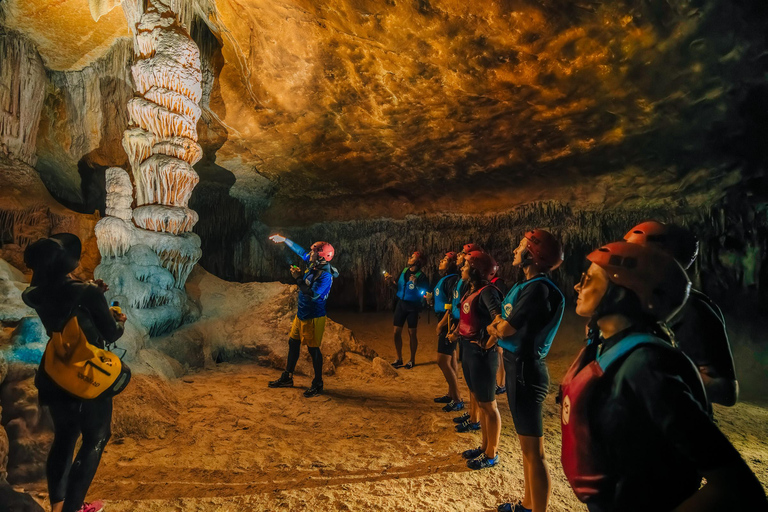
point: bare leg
(444, 362)
(474, 410)
(57, 507)
(455, 361)
(501, 375)
(538, 474)
(414, 344)
(399, 343)
(491, 425)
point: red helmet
(468, 248)
(483, 263)
(324, 250)
(677, 241)
(544, 248)
(656, 278)
(451, 256)
(419, 257)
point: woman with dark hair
(480, 306)
(57, 297)
(637, 433)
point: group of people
(636, 417)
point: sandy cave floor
(367, 444)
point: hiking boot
(467, 426)
(398, 363)
(409, 365)
(313, 391)
(93, 506)
(482, 462)
(285, 381)
(461, 419)
(500, 390)
(445, 399)
(453, 406)
(509, 507)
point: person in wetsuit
(309, 323)
(699, 327)
(412, 285)
(441, 302)
(56, 297)
(480, 306)
(637, 434)
(470, 420)
(531, 315)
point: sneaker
(500, 390)
(285, 381)
(482, 462)
(454, 406)
(409, 365)
(467, 426)
(472, 454)
(461, 419)
(443, 399)
(313, 391)
(397, 364)
(93, 506)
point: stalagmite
(148, 263)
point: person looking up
(411, 286)
(637, 433)
(470, 420)
(699, 327)
(441, 302)
(531, 314)
(309, 323)
(480, 306)
(57, 297)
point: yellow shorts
(309, 331)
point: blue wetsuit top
(443, 294)
(412, 291)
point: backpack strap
(625, 346)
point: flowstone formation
(148, 252)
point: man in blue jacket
(412, 285)
(309, 323)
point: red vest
(469, 319)
(586, 470)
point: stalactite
(167, 180)
(161, 121)
(22, 86)
(167, 219)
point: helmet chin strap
(526, 259)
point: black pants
(294, 349)
(527, 381)
(69, 481)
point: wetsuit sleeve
(320, 288)
(532, 300)
(491, 299)
(94, 301)
(659, 380)
(299, 250)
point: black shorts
(444, 345)
(407, 311)
(527, 383)
(480, 367)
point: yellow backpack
(82, 369)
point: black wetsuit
(69, 481)
(444, 345)
(651, 421)
(480, 365)
(700, 333)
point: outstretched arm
(299, 250)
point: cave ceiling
(355, 108)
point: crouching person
(309, 324)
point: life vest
(409, 291)
(543, 340)
(441, 298)
(469, 322)
(586, 470)
(458, 293)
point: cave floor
(367, 444)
